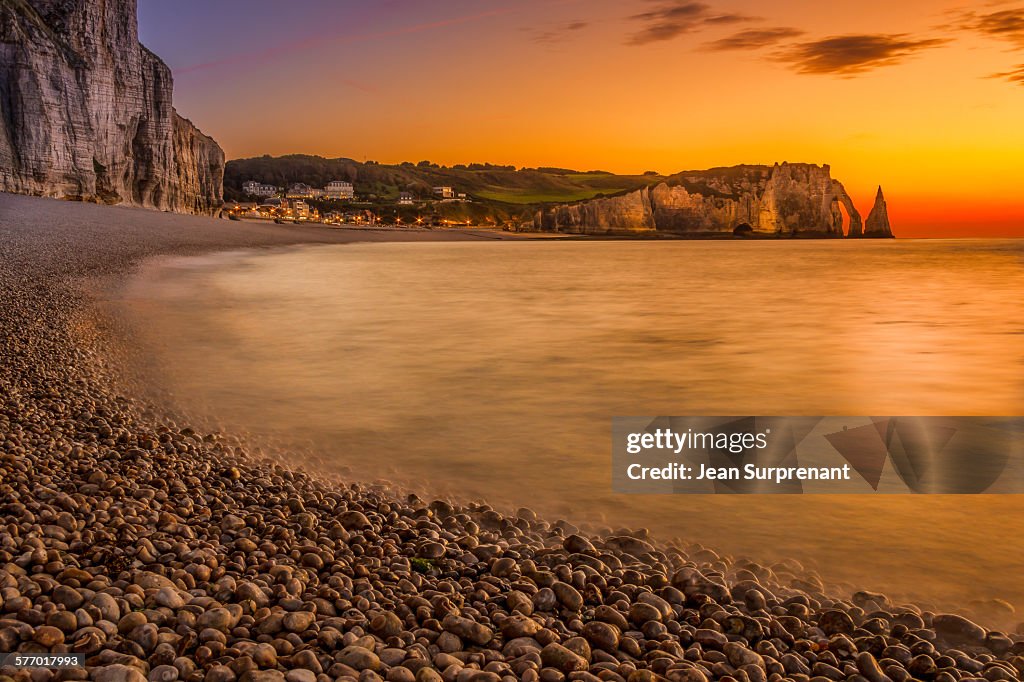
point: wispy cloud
(1015, 75)
(1005, 24)
(849, 55)
(553, 35)
(841, 55)
(728, 19)
(754, 39)
(674, 19)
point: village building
(300, 190)
(254, 188)
(340, 189)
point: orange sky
(902, 94)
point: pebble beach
(162, 552)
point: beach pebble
(836, 622)
(359, 658)
(562, 659)
(298, 621)
(118, 672)
(169, 597)
(958, 630)
(602, 635)
(467, 629)
(163, 673)
(869, 668)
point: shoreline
(171, 554)
(213, 382)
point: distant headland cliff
(784, 200)
(86, 112)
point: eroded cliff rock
(788, 199)
(877, 224)
(86, 112)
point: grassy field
(527, 196)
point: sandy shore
(165, 553)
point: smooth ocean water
(491, 371)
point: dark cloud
(853, 54)
(553, 35)
(1007, 24)
(754, 39)
(1015, 75)
(844, 55)
(674, 19)
(728, 19)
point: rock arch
(840, 197)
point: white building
(300, 209)
(444, 192)
(339, 189)
(300, 190)
(254, 188)
(405, 198)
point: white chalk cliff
(86, 112)
(784, 200)
(877, 224)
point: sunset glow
(922, 97)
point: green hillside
(507, 189)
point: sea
(491, 370)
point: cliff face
(877, 224)
(86, 112)
(789, 199)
